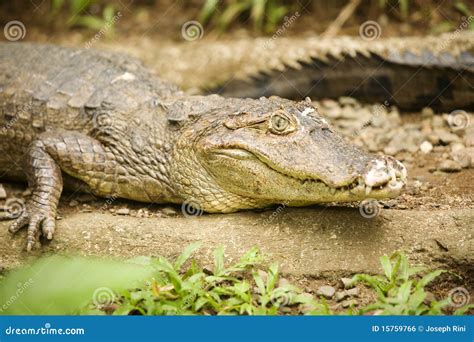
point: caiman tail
(410, 73)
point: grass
(239, 289)
(265, 15)
(244, 288)
(158, 286)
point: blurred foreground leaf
(61, 285)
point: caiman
(100, 122)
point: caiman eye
(280, 124)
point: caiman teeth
(368, 189)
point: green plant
(264, 14)
(78, 11)
(236, 289)
(401, 291)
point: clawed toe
(37, 222)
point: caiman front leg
(48, 155)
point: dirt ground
(432, 221)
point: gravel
(381, 128)
(123, 211)
(449, 166)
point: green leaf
(184, 256)
(429, 278)
(416, 299)
(209, 8)
(108, 13)
(231, 12)
(404, 7)
(78, 6)
(259, 282)
(272, 276)
(59, 285)
(90, 22)
(386, 266)
(219, 260)
(257, 13)
(462, 7)
(463, 310)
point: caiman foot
(40, 219)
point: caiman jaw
(384, 176)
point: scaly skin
(409, 72)
(99, 122)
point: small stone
(391, 150)
(438, 122)
(417, 184)
(354, 292)
(386, 204)
(447, 137)
(469, 139)
(123, 211)
(73, 203)
(3, 193)
(433, 138)
(169, 211)
(349, 303)
(26, 193)
(449, 166)
(328, 103)
(326, 291)
(345, 100)
(426, 147)
(341, 295)
(463, 157)
(427, 112)
(457, 147)
(347, 283)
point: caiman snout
(384, 172)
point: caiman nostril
(378, 174)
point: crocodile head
(253, 153)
